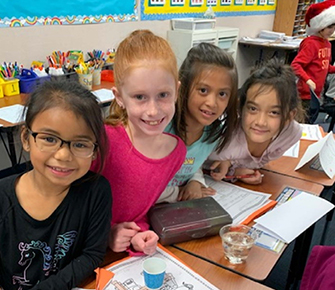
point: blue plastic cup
(154, 272)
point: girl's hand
(311, 84)
(219, 169)
(255, 178)
(145, 242)
(121, 235)
(194, 190)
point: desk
(285, 165)
(289, 50)
(218, 276)
(260, 261)
(9, 128)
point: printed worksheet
(311, 132)
(128, 275)
(237, 201)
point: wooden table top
(219, 277)
(260, 261)
(285, 165)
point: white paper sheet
(311, 132)
(293, 151)
(12, 114)
(327, 156)
(326, 150)
(104, 95)
(289, 220)
(237, 201)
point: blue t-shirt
(196, 155)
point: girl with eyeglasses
(55, 218)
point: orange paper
(103, 277)
(259, 212)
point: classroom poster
(167, 9)
(20, 13)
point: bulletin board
(59, 12)
(167, 9)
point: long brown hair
(200, 58)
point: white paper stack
(289, 220)
(267, 34)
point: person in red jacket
(312, 63)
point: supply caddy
(29, 80)
(10, 87)
(70, 76)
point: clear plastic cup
(237, 241)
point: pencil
(208, 172)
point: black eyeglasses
(50, 143)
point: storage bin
(1, 90)
(187, 220)
(71, 76)
(192, 23)
(10, 87)
(30, 80)
(226, 43)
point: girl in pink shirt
(142, 158)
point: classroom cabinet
(290, 17)
(182, 41)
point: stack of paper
(104, 95)
(289, 220)
(271, 35)
(12, 114)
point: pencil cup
(154, 272)
(97, 77)
(86, 80)
(237, 241)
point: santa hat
(319, 16)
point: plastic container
(86, 80)
(70, 76)
(10, 87)
(107, 75)
(29, 81)
(186, 220)
(226, 43)
(1, 90)
(192, 23)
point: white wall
(25, 44)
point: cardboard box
(186, 220)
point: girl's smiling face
(261, 115)
(148, 94)
(209, 97)
(59, 168)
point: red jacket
(312, 62)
